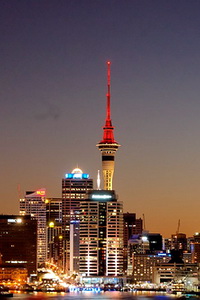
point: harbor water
(96, 296)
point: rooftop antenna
(178, 227)
(98, 180)
(144, 225)
(19, 191)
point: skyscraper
(54, 230)
(74, 187)
(195, 248)
(33, 204)
(18, 242)
(101, 234)
(179, 241)
(53, 210)
(108, 146)
(131, 226)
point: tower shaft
(108, 146)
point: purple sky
(53, 84)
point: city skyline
(53, 97)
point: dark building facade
(54, 230)
(194, 247)
(132, 226)
(179, 241)
(18, 242)
(155, 242)
(53, 210)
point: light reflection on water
(90, 296)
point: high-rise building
(54, 230)
(155, 242)
(179, 241)
(131, 226)
(34, 205)
(196, 237)
(53, 210)
(74, 187)
(195, 248)
(101, 234)
(18, 242)
(108, 146)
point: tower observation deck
(108, 146)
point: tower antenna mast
(108, 93)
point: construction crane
(19, 191)
(178, 227)
(176, 241)
(144, 226)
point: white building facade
(101, 234)
(34, 205)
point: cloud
(48, 111)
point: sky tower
(108, 146)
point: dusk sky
(53, 57)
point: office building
(132, 226)
(179, 241)
(195, 251)
(167, 244)
(143, 265)
(188, 258)
(155, 242)
(181, 275)
(34, 205)
(54, 230)
(196, 237)
(74, 187)
(101, 235)
(194, 245)
(18, 244)
(53, 210)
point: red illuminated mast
(108, 94)
(108, 134)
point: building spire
(108, 129)
(108, 94)
(98, 180)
